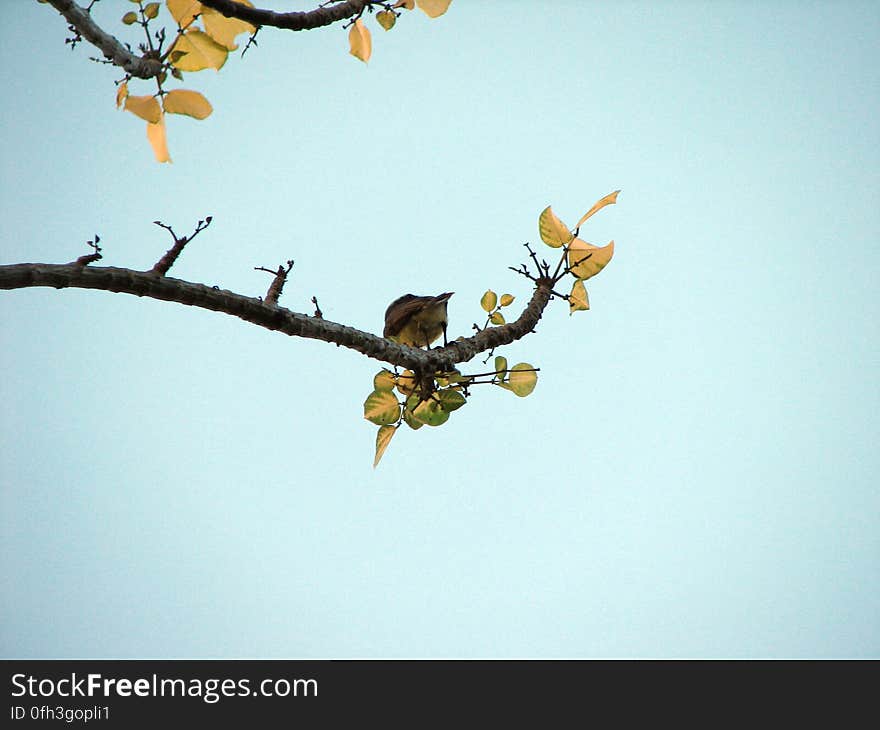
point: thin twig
(162, 266)
(88, 258)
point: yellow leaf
(191, 103)
(489, 300)
(151, 10)
(183, 11)
(553, 231)
(523, 379)
(500, 366)
(360, 43)
(145, 107)
(382, 408)
(578, 299)
(224, 30)
(582, 266)
(130, 18)
(433, 8)
(384, 380)
(121, 93)
(158, 140)
(496, 318)
(507, 299)
(383, 438)
(406, 382)
(199, 51)
(609, 199)
(386, 19)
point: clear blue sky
(696, 474)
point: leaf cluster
(492, 304)
(417, 401)
(203, 39)
(360, 40)
(580, 259)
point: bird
(417, 321)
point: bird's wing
(401, 311)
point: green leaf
(448, 378)
(489, 300)
(430, 413)
(500, 367)
(410, 420)
(386, 19)
(151, 10)
(523, 379)
(381, 408)
(383, 438)
(451, 400)
(496, 318)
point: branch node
(277, 285)
(88, 258)
(161, 267)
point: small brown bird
(417, 321)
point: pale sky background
(696, 474)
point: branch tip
(162, 266)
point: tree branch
(307, 20)
(81, 21)
(273, 317)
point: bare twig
(89, 258)
(252, 41)
(277, 285)
(167, 261)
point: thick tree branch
(307, 20)
(82, 23)
(273, 317)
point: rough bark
(273, 317)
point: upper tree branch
(82, 22)
(307, 20)
(273, 317)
